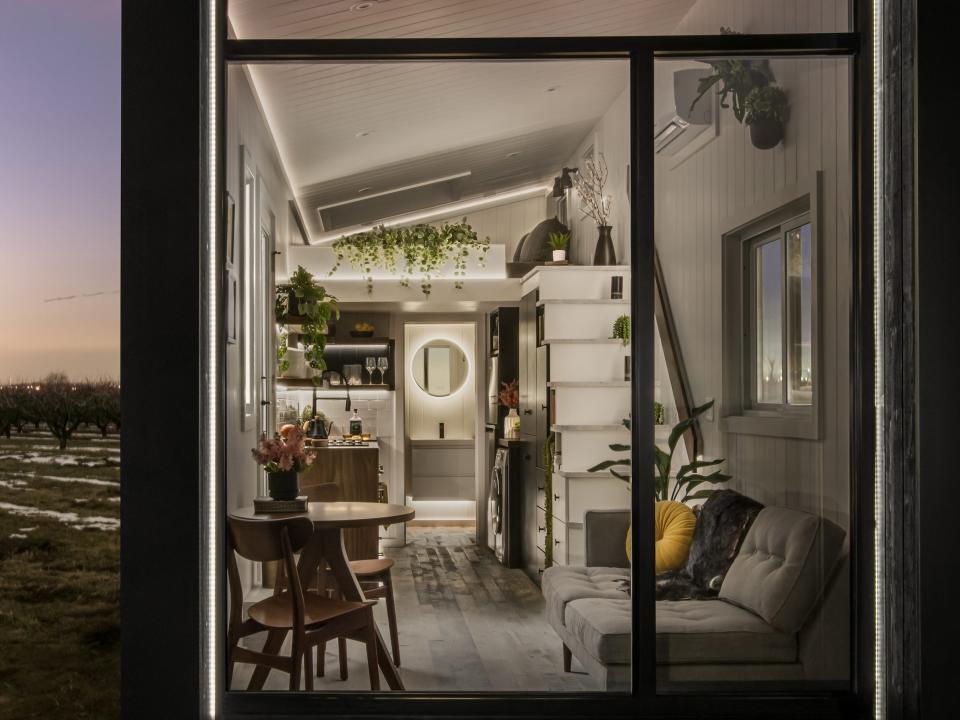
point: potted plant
(283, 456)
(558, 242)
(305, 301)
(621, 329)
(510, 399)
(766, 112)
(403, 251)
(590, 184)
(659, 414)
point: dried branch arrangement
(589, 184)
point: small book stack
(266, 504)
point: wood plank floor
(466, 623)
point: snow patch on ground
(63, 460)
(80, 522)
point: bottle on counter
(356, 423)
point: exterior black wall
(160, 362)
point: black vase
(604, 254)
(765, 133)
(283, 485)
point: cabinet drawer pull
(539, 488)
(528, 411)
(556, 542)
(556, 497)
(543, 406)
(541, 529)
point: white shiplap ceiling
(340, 128)
(453, 18)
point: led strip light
(878, 490)
(211, 369)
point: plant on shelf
(283, 362)
(416, 250)
(687, 480)
(558, 243)
(659, 414)
(305, 301)
(736, 78)
(621, 329)
(766, 112)
(590, 184)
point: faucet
(343, 381)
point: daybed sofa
(751, 630)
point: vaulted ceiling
(350, 130)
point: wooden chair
(375, 580)
(312, 618)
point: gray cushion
(713, 631)
(605, 537)
(602, 627)
(782, 566)
(562, 585)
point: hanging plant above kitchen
(418, 250)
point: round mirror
(440, 368)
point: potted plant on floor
(558, 243)
(766, 112)
(590, 184)
(283, 456)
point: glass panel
(799, 316)
(752, 229)
(768, 302)
(532, 18)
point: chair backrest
(783, 565)
(261, 540)
(323, 492)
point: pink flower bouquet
(282, 454)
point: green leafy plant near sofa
(416, 250)
(688, 478)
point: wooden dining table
(326, 544)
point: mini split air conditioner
(675, 130)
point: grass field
(59, 577)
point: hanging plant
(766, 112)
(416, 250)
(735, 78)
(305, 301)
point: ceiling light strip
(436, 213)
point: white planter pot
(559, 255)
(511, 424)
(298, 366)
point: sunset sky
(59, 188)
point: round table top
(341, 514)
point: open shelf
(589, 384)
(308, 384)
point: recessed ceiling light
(363, 5)
(364, 190)
(363, 133)
(515, 153)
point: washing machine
(495, 505)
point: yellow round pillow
(674, 524)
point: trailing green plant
(736, 78)
(421, 250)
(548, 448)
(621, 329)
(314, 309)
(766, 103)
(283, 362)
(558, 241)
(659, 414)
(688, 478)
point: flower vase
(283, 485)
(604, 254)
(511, 424)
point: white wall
(505, 224)
(611, 137)
(245, 127)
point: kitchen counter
(442, 442)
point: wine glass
(383, 363)
(370, 363)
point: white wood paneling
(504, 224)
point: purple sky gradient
(59, 187)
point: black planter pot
(766, 133)
(283, 485)
(604, 254)
(293, 304)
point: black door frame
(153, 78)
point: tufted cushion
(713, 631)
(674, 524)
(602, 627)
(562, 585)
(782, 566)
